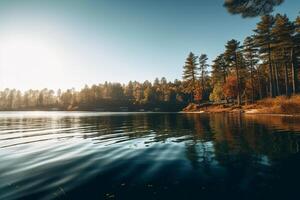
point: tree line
(265, 64)
(160, 95)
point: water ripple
(63, 155)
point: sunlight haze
(66, 44)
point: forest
(265, 64)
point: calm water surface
(82, 155)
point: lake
(88, 155)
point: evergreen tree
(219, 69)
(251, 8)
(283, 32)
(190, 74)
(296, 51)
(203, 72)
(264, 41)
(251, 58)
(297, 34)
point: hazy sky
(60, 43)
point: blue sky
(64, 44)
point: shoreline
(241, 112)
(276, 107)
(245, 112)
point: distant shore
(279, 106)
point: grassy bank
(278, 105)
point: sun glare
(29, 60)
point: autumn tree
(217, 93)
(231, 55)
(198, 94)
(229, 88)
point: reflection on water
(61, 155)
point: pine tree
(296, 58)
(251, 57)
(203, 72)
(251, 8)
(190, 74)
(264, 41)
(283, 32)
(297, 34)
(219, 69)
(231, 55)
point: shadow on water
(148, 156)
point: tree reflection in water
(151, 156)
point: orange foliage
(230, 87)
(198, 93)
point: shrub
(282, 104)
